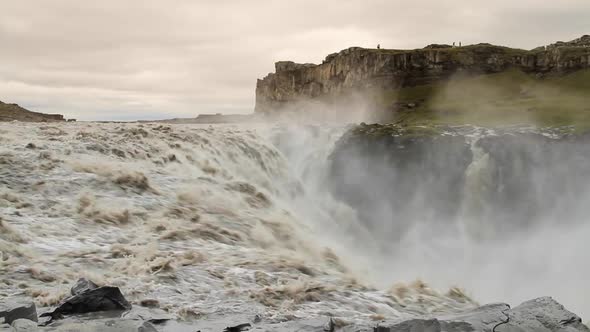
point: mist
(498, 210)
(501, 214)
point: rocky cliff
(449, 173)
(360, 69)
(12, 112)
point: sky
(148, 59)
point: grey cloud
(134, 59)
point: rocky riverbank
(92, 308)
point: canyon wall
(359, 69)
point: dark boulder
(542, 314)
(104, 325)
(82, 285)
(87, 297)
(414, 325)
(13, 309)
(238, 328)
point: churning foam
(218, 220)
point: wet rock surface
(88, 297)
(82, 285)
(542, 314)
(100, 325)
(12, 309)
(238, 328)
(538, 315)
(24, 325)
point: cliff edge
(383, 72)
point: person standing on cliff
(378, 46)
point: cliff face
(410, 173)
(360, 69)
(12, 112)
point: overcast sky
(132, 59)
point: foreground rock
(24, 325)
(13, 309)
(88, 297)
(104, 325)
(539, 315)
(94, 308)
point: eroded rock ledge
(538, 315)
(94, 308)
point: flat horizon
(133, 60)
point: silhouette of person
(378, 46)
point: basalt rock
(13, 309)
(82, 285)
(24, 325)
(438, 174)
(103, 325)
(238, 328)
(539, 315)
(87, 297)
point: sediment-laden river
(285, 223)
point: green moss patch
(511, 97)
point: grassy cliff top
(511, 97)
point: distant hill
(13, 112)
(213, 118)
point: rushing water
(223, 220)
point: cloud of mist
(502, 217)
(352, 106)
